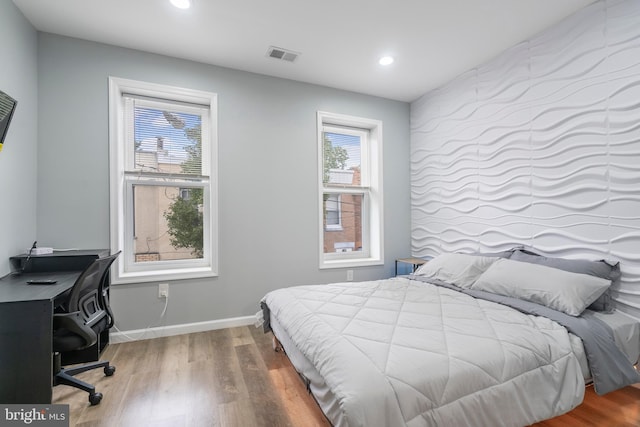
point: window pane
(168, 223)
(341, 161)
(343, 222)
(166, 140)
(332, 210)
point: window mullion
(168, 177)
(349, 190)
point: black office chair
(78, 323)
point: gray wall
(541, 147)
(18, 161)
(267, 175)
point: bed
(466, 340)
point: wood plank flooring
(233, 378)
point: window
(332, 212)
(185, 193)
(350, 194)
(163, 181)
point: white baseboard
(187, 328)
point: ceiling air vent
(282, 54)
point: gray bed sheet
(626, 335)
(626, 332)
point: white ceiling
(340, 41)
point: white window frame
(370, 188)
(126, 270)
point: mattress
(481, 370)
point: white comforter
(404, 353)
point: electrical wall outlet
(349, 275)
(163, 290)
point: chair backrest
(88, 292)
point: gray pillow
(458, 269)
(502, 254)
(601, 268)
(560, 290)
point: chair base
(65, 376)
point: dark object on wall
(7, 107)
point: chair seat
(65, 340)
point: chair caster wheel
(95, 398)
(109, 370)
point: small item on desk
(41, 281)
(40, 251)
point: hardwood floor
(227, 378)
(233, 378)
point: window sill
(352, 262)
(162, 275)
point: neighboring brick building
(343, 214)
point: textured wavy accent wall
(540, 147)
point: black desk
(26, 325)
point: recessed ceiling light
(181, 4)
(386, 60)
